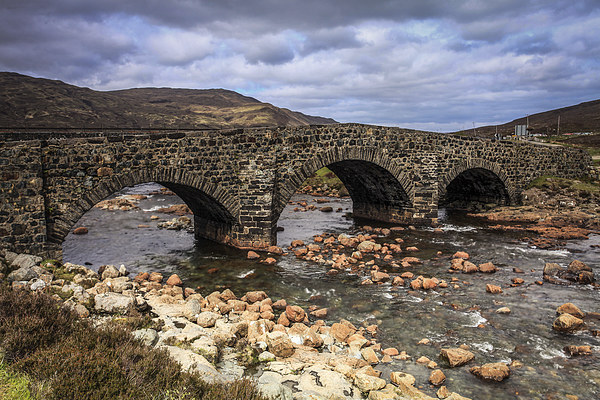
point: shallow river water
(448, 317)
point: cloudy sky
(426, 64)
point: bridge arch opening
(475, 189)
(376, 193)
(212, 211)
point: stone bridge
(237, 182)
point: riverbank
(219, 337)
(554, 210)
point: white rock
(113, 302)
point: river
(448, 317)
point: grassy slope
(34, 102)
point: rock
(270, 261)
(429, 283)
(147, 336)
(552, 269)
(174, 280)
(257, 296)
(341, 332)
(37, 284)
(295, 314)
(442, 392)
(22, 274)
(487, 268)
(367, 383)
(113, 302)
(120, 284)
(468, 267)
(109, 271)
(586, 277)
(576, 267)
(207, 319)
(461, 254)
(377, 276)
(567, 323)
(319, 313)
(266, 356)
(517, 281)
(82, 230)
(155, 277)
(367, 246)
(81, 311)
(280, 344)
(206, 347)
(503, 310)
(397, 281)
(297, 243)
(437, 377)
(491, 372)
(193, 362)
(23, 261)
(456, 356)
(369, 355)
(326, 209)
(317, 382)
(570, 308)
(493, 289)
(252, 255)
(578, 350)
(399, 378)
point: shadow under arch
(379, 189)
(479, 181)
(215, 209)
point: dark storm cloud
(435, 64)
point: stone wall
(238, 182)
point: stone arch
(479, 171)
(356, 167)
(208, 201)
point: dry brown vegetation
(64, 357)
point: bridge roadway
(237, 182)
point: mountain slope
(583, 117)
(27, 102)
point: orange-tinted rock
(487, 268)
(437, 377)
(82, 230)
(570, 308)
(319, 313)
(456, 356)
(567, 323)
(461, 254)
(492, 371)
(493, 289)
(341, 332)
(252, 255)
(270, 261)
(295, 313)
(253, 297)
(174, 280)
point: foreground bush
(66, 358)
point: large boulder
(567, 323)
(25, 261)
(113, 302)
(570, 308)
(22, 274)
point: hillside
(584, 117)
(27, 102)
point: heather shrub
(67, 358)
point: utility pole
(558, 126)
